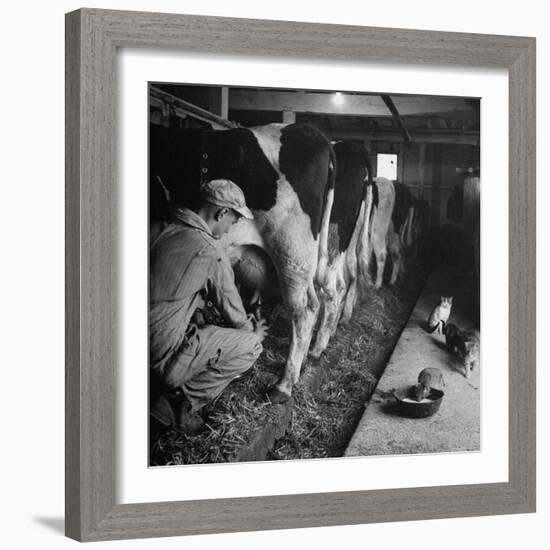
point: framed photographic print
(289, 301)
(433, 205)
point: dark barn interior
(432, 142)
(429, 147)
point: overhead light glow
(338, 98)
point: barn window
(386, 166)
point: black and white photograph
(270, 305)
(314, 274)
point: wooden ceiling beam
(397, 117)
(346, 104)
(396, 136)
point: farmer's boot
(189, 421)
(173, 409)
(162, 410)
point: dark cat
(465, 343)
(452, 337)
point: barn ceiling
(348, 115)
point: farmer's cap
(227, 194)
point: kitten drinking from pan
(430, 377)
(440, 314)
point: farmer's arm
(223, 292)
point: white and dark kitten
(440, 314)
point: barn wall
(444, 165)
(431, 170)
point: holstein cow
(380, 225)
(395, 251)
(403, 212)
(418, 228)
(472, 224)
(403, 228)
(471, 209)
(352, 202)
(287, 175)
(410, 221)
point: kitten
(440, 314)
(469, 351)
(430, 377)
(465, 343)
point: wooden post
(435, 157)
(421, 170)
(224, 107)
(401, 166)
(368, 147)
(289, 117)
(165, 115)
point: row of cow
(320, 216)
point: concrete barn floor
(456, 426)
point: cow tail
(322, 261)
(405, 234)
(401, 229)
(165, 192)
(363, 213)
(370, 191)
(331, 181)
(370, 175)
(375, 201)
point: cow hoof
(315, 353)
(276, 396)
(344, 320)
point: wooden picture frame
(92, 39)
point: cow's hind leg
(303, 305)
(394, 249)
(352, 274)
(380, 253)
(349, 301)
(364, 249)
(332, 295)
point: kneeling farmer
(191, 361)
